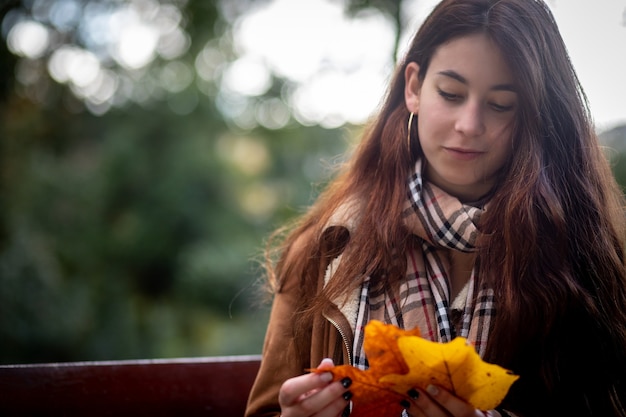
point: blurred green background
(136, 192)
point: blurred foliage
(125, 235)
(135, 229)
(138, 232)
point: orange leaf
(372, 398)
(400, 360)
(454, 366)
(381, 347)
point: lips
(463, 154)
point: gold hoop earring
(408, 132)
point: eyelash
(455, 97)
(500, 108)
(448, 96)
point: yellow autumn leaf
(400, 360)
(456, 367)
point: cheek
(501, 149)
(430, 121)
(501, 133)
(425, 137)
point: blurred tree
(391, 8)
(132, 216)
(614, 140)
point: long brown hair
(552, 238)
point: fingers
(322, 400)
(314, 394)
(298, 388)
(436, 402)
(295, 389)
(326, 364)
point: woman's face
(466, 108)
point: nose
(470, 119)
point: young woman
(478, 204)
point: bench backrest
(213, 386)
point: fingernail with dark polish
(346, 382)
(405, 403)
(347, 395)
(413, 393)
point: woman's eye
(500, 108)
(448, 96)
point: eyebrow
(456, 76)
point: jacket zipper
(343, 337)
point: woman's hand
(314, 394)
(437, 402)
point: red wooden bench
(211, 386)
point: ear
(412, 87)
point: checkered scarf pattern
(442, 223)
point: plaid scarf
(442, 223)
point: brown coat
(331, 337)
